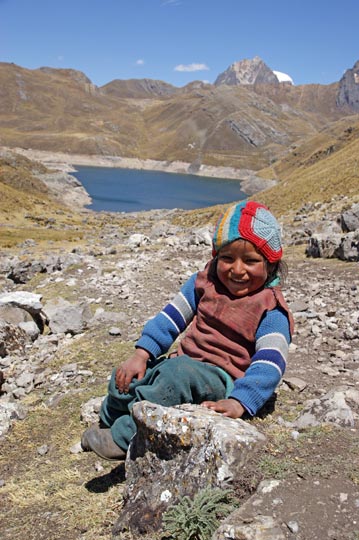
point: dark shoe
(101, 442)
(84, 442)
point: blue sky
(178, 41)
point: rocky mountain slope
(247, 119)
(349, 89)
(253, 71)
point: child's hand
(228, 407)
(135, 366)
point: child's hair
(278, 269)
(249, 220)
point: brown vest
(223, 330)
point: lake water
(128, 190)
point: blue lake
(128, 190)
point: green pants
(168, 382)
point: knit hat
(251, 221)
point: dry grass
(329, 177)
(60, 483)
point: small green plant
(197, 519)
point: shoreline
(250, 182)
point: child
(233, 354)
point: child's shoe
(100, 441)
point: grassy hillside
(27, 209)
(322, 168)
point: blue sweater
(267, 364)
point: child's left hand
(228, 407)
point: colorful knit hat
(251, 221)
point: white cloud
(60, 58)
(191, 67)
(140, 62)
(171, 3)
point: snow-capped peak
(283, 77)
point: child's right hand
(135, 366)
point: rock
(349, 220)
(348, 249)
(239, 527)
(9, 412)
(202, 236)
(76, 448)
(90, 410)
(253, 71)
(337, 406)
(25, 379)
(137, 240)
(114, 331)
(65, 317)
(12, 339)
(295, 383)
(43, 450)
(29, 301)
(298, 306)
(31, 329)
(177, 451)
(348, 93)
(14, 315)
(293, 526)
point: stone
(137, 240)
(349, 220)
(178, 451)
(9, 412)
(14, 315)
(31, 302)
(65, 317)
(295, 383)
(239, 527)
(336, 406)
(114, 331)
(90, 410)
(43, 450)
(31, 329)
(12, 339)
(348, 94)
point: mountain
(138, 88)
(253, 71)
(348, 95)
(249, 124)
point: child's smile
(241, 268)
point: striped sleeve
(267, 364)
(160, 332)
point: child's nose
(238, 267)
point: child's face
(241, 268)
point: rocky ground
(123, 272)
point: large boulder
(178, 451)
(343, 246)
